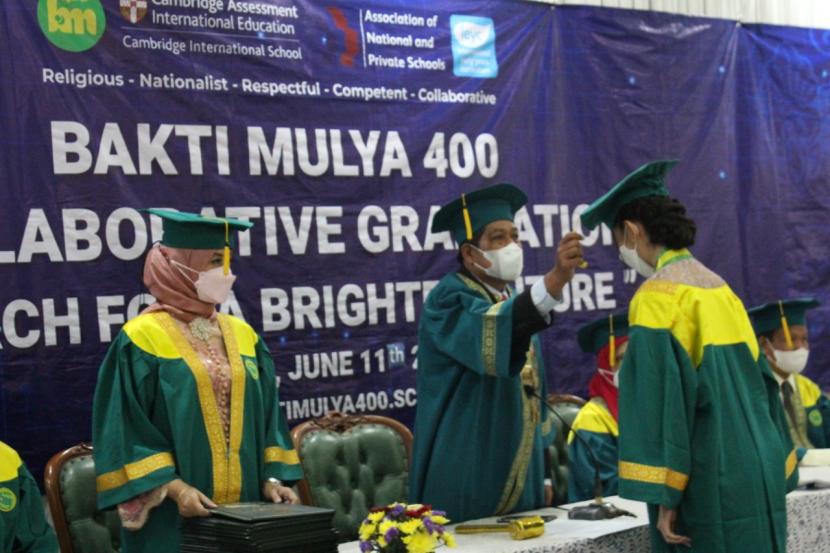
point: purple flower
(365, 546)
(439, 513)
(430, 526)
(397, 510)
(391, 534)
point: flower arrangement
(399, 528)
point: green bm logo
(72, 25)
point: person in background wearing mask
(186, 413)
(596, 423)
(481, 428)
(23, 526)
(782, 332)
(695, 445)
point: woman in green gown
(702, 436)
(186, 413)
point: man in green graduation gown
(480, 427)
(23, 527)
(597, 446)
(782, 330)
(703, 440)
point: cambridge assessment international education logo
(473, 46)
(72, 25)
(133, 10)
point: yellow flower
(375, 517)
(411, 526)
(366, 531)
(438, 519)
(420, 542)
(449, 539)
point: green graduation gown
(811, 429)
(155, 419)
(597, 428)
(23, 527)
(702, 428)
(479, 434)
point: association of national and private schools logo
(253, 370)
(8, 500)
(133, 10)
(815, 418)
(72, 25)
(473, 46)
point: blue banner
(338, 128)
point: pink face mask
(212, 286)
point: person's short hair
(768, 335)
(664, 219)
(476, 240)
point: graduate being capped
(702, 440)
(784, 337)
(480, 429)
(596, 422)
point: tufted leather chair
(351, 464)
(567, 406)
(70, 491)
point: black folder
(261, 528)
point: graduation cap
(781, 314)
(597, 334)
(198, 232)
(470, 213)
(648, 180)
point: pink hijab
(175, 292)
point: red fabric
(174, 292)
(599, 386)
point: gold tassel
(787, 336)
(468, 225)
(226, 258)
(612, 344)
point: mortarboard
(781, 314)
(198, 232)
(470, 213)
(648, 180)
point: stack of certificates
(261, 528)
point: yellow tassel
(226, 257)
(612, 344)
(468, 225)
(787, 336)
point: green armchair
(567, 406)
(351, 464)
(70, 492)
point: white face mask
(630, 257)
(791, 362)
(505, 263)
(212, 286)
(611, 376)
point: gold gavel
(519, 529)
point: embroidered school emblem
(8, 500)
(252, 369)
(815, 418)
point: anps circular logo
(253, 370)
(815, 418)
(72, 25)
(8, 500)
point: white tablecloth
(808, 515)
